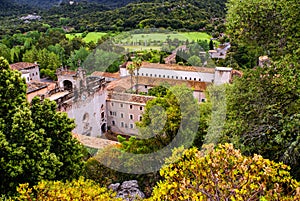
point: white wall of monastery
(89, 115)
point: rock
(114, 187)
(129, 190)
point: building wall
(222, 75)
(199, 95)
(40, 92)
(176, 74)
(26, 76)
(34, 73)
(122, 115)
(89, 114)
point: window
(150, 75)
(164, 76)
(203, 100)
(130, 106)
(122, 124)
(140, 118)
(172, 76)
(146, 86)
(112, 104)
(121, 105)
(36, 73)
(114, 113)
(195, 79)
(154, 75)
(199, 79)
(131, 116)
(146, 74)
(113, 123)
(131, 125)
(121, 115)
(158, 75)
(141, 108)
(176, 77)
(142, 74)
(190, 78)
(168, 76)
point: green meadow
(130, 42)
(91, 36)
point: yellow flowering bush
(224, 173)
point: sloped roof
(124, 83)
(22, 65)
(106, 74)
(175, 67)
(35, 86)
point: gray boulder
(129, 190)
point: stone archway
(68, 85)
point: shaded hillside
(51, 3)
(82, 16)
(10, 8)
(184, 14)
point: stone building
(176, 72)
(101, 101)
(30, 71)
(87, 102)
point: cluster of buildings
(101, 102)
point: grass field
(164, 36)
(91, 36)
(161, 37)
(73, 35)
(141, 48)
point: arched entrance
(103, 128)
(68, 85)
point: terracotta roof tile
(22, 65)
(175, 67)
(123, 84)
(106, 74)
(35, 86)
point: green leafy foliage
(263, 112)
(35, 141)
(268, 27)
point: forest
(246, 145)
(90, 16)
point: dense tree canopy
(35, 141)
(269, 27)
(263, 112)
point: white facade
(90, 115)
(218, 75)
(222, 75)
(177, 74)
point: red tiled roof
(22, 65)
(123, 84)
(175, 67)
(35, 86)
(68, 72)
(106, 74)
